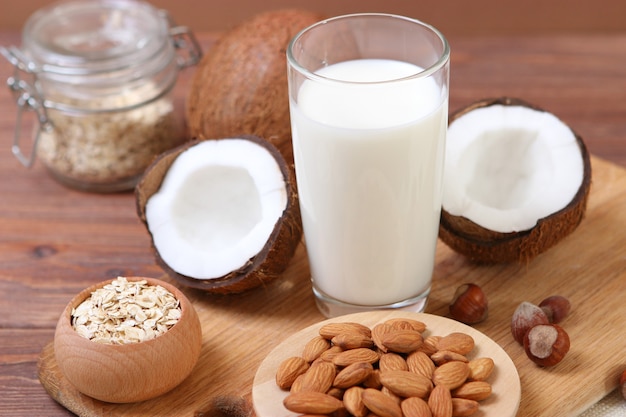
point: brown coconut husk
(274, 257)
(240, 85)
(486, 246)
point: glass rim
(444, 56)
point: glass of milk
(369, 112)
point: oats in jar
(111, 140)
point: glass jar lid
(83, 37)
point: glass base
(331, 307)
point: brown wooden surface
(459, 17)
(55, 241)
(588, 268)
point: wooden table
(55, 241)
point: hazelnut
(525, 317)
(556, 308)
(622, 383)
(469, 304)
(546, 344)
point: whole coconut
(240, 85)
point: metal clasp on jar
(187, 46)
(28, 98)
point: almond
(310, 402)
(377, 335)
(314, 348)
(442, 356)
(440, 402)
(430, 344)
(419, 363)
(319, 377)
(480, 369)
(456, 342)
(392, 362)
(353, 374)
(380, 404)
(402, 341)
(336, 392)
(329, 354)
(462, 407)
(352, 341)
(289, 370)
(415, 407)
(451, 374)
(353, 401)
(373, 380)
(402, 323)
(351, 356)
(473, 390)
(406, 384)
(391, 395)
(330, 330)
(297, 384)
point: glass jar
(99, 74)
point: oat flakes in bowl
(128, 339)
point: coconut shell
(264, 267)
(486, 246)
(240, 85)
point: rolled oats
(111, 139)
(126, 312)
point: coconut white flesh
(216, 207)
(509, 166)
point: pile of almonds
(391, 370)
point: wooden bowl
(504, 400)
(124, 373)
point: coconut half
(223, 214)
(516, 181)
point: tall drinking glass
(369, 111)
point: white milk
(369, 162)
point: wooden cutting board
(589, 267)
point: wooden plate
(504, 401)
